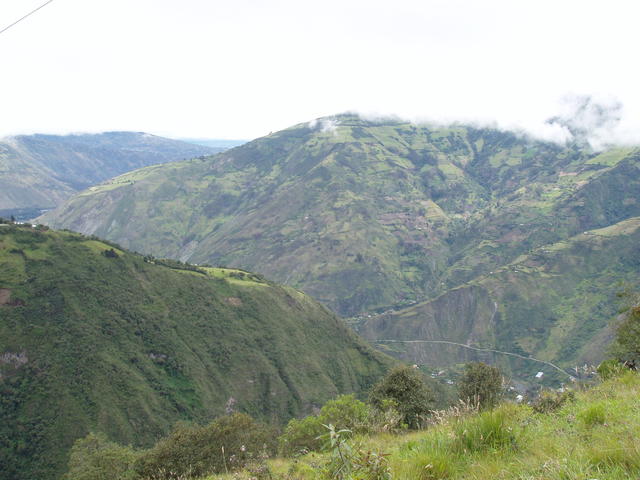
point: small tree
(227, 443)
(626, 346)
(481, 383)
(344, 412)
(96, 458)
(406, 387)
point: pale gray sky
(243, 68)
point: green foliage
(228, 443)
(347, 462)
(481, 384)
(550, 401)
(627, 342)
(407, 388)
(505, 443)
(128, 348)
(594, 414)
(431, 459)
(96, 458)
(611, 368)
(346, 413)
(491, 429)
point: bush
(626, 347)
(481, 384)
(96, 458)
(386, 418)
(611, 368)
(550, 401)
(407, 388)
(228, 443)
(345, 413)
(346, 462)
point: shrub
(611, 368)
(626, 347)
(345, 413)
(96, 458)
(111, 253)
(407, 388)
(227, 443)
(347, 462)
(385, 418)
(550, 401)
(481, 384)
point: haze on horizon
(242, 69)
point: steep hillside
(554, 303)
(364, 215)
(93, 337)
(41, 171)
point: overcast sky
(242, 68)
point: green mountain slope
(41, 171)
(363, 215)
(554, 304)
(96, 338)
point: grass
(594, 437)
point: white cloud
(241, 69)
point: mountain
(372, 216)
(218, 143)
(553, 303)
(41, 171)
(95, 338)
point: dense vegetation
(40, 171)
(486, 227)
(93, 337)
(583, 433)
(402, 399)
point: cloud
(590, 121)
(328, 124)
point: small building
(539, 374)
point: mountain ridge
(371, 216)
(41, 171)
(94, 338)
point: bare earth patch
(5, 296)
(235, 301)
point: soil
(5, 296)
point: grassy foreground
(593, 437)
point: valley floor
(596, 436)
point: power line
(27, 15)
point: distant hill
(215, 142)
(94, 338)
(376, 216)
(41, 171)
